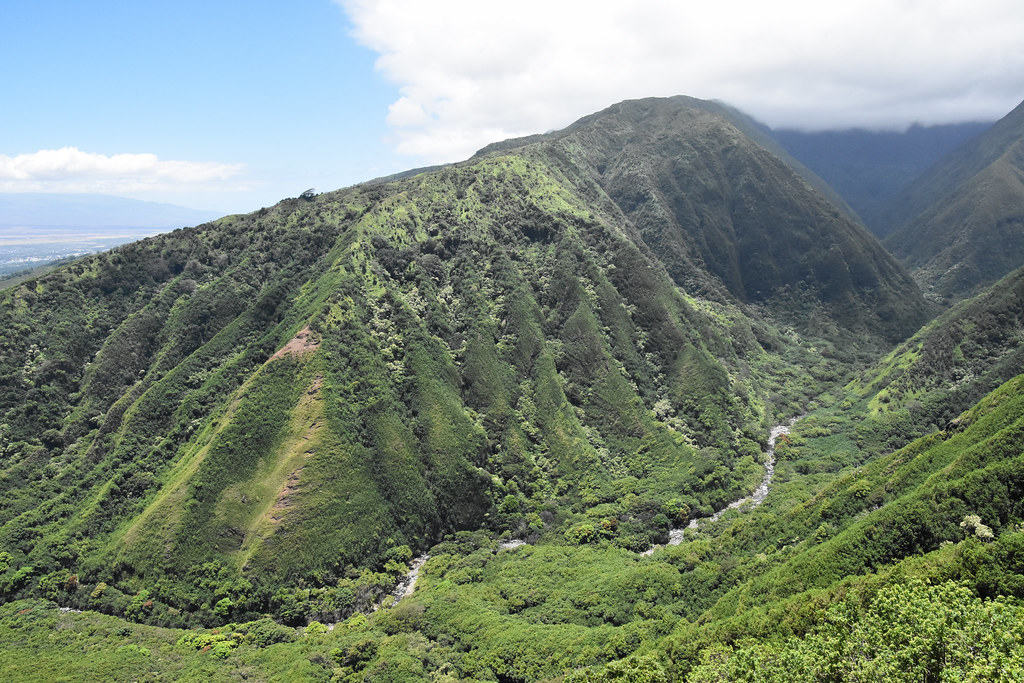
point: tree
(972, 524)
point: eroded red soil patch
(303, 342)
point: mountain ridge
(720, 202)
(870, 167)
(962, 221)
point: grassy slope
(795, 575)
(949, 364)
(908, 502)
(532, 612)
(42, 643)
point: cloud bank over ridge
(470, 73)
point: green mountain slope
(962, 222)
(708, 198)
(579, 341)
(299, 392)
(294, 393)
(949, 364)
(885, 567)
(908, 502)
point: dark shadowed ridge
(752, 128)
(962, 222)
(870, 167)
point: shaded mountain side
(292, 394)
(957, 167)
(962, 222)
(950, 363)
(870, 167)
(765, 137)
(708, 199)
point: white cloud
(69, 169)
(474, 72)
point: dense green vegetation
(227, 444)
(907, 632)
(707, 199)
(473, 347)
(961, 224)
(920, 588)
(946, 367)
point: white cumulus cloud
(69, 169)
(473, 72)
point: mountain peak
(718, 202)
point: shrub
(315, 628)
(223, 607)
(582, 533)
(265, 632)
(132, 648)
(359, 652)
(971, 524)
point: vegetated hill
(270, 413)
(870, 167)
(962, 222)
(909, 502)
(914, 553)
(918, 551)
(709, 199)
(292, 397)
(949, 364)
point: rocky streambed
(407, 585)
(676, 535)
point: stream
(407, 585)
(675, 536)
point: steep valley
(487, 420)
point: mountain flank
(870, 167)
(961, 224)
(497, 421)
(708, 200)
(297, 392)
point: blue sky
(281, 88)
(230, 105)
